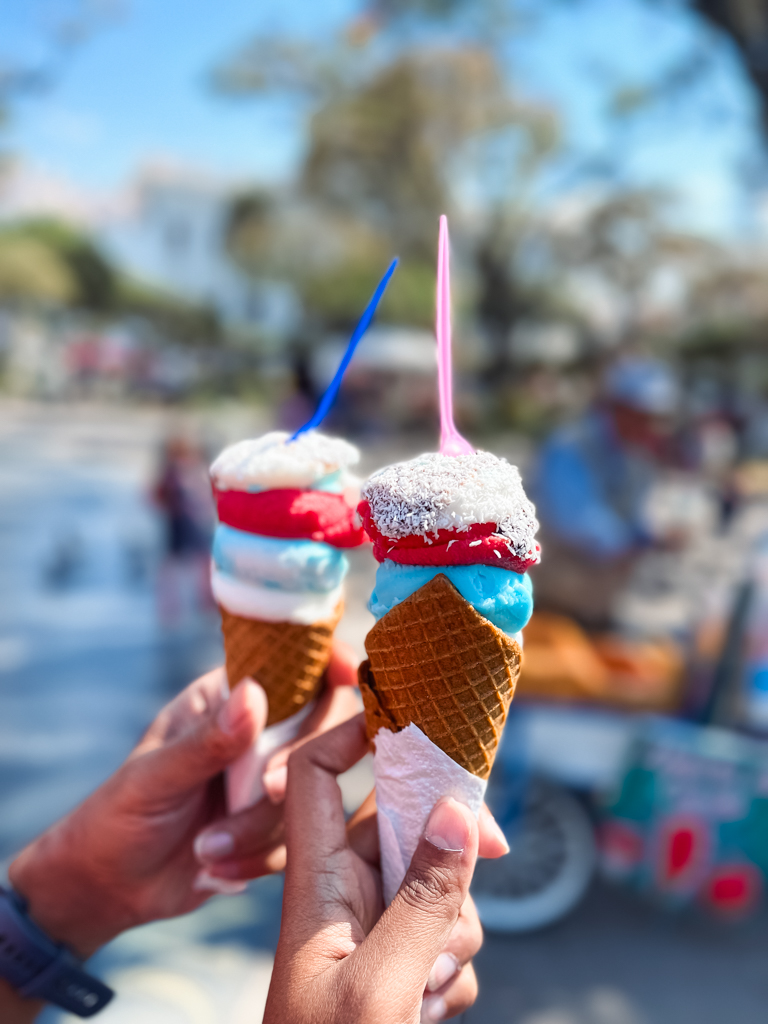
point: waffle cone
(436, 662)
(287, 659)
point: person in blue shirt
(590, 483)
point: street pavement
(84, 666)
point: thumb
(413, 930)
(207, 748)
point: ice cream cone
(288, 659)
(437, 663)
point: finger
(463, 943)
(314, 815)
(493, 842)
(240, 836)
(269, 861)
(457, 997)
(342, 668)
(204, 696)
(335, 706)
(413, 930)
(205, 749)
(363, 831)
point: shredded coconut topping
(452, 492)
(273, 461)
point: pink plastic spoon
(451, 441)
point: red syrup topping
(293, 514)
(477, 545)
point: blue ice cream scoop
(293, 565)
(504, 598)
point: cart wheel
(547, 870)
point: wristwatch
(39, 968)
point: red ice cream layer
(292, 514)
(449, 547)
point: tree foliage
(174, 317)
(30, 273)
(395, 131)
(382, 151)
(387, 151)
(745, 22)
(92, 275)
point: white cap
(645, 384)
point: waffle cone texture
(435, 661)
(286, 658)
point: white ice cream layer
(274, 461)
(252, 601)
(412, 774)
(452, 492)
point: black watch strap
(39, 968)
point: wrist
(62, 898)
(36, 969)
(14, 1009)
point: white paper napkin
(412, 775)
(244, 776)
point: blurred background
(196, 202)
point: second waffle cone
(286, 658)
(436, 662)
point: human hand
(340, 960)
(451, 986)
(233, 848)
(238, 847)
(125, 856)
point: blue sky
(137, 89)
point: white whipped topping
(252, 601)
(274, 461)
(452, 492)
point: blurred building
(166, 227)
(174, 235)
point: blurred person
(154, 842)
(182, 494)
(297, 407)
(590, 484)
(709, 444)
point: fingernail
(275, 782)
(433, 1008)
(206, 882)
(447, 827)
(496, 829)
(233, 712)
(443, 969)
(213, 845)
